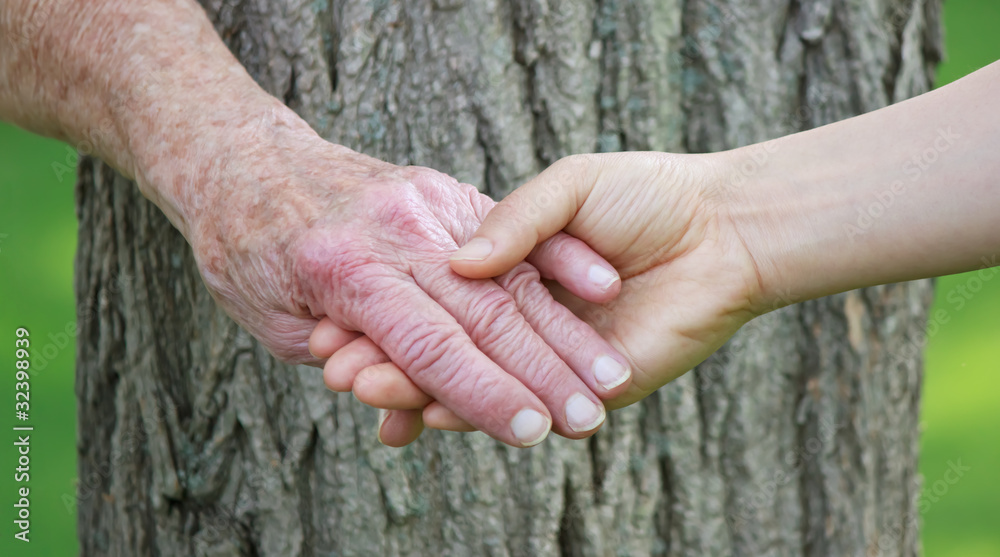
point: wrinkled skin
(287, 228)
(317, 230)
(665, 222)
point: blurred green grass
(38, 235)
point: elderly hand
(296, 229)
(287, 228)
(662, 220)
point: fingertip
(337, 379)
(604, 278)
(501, 258)
(477, 249)
(398, 428)
(530, 427)
(600, 286)
(584, 416)
(612, 374)
(474, 269)
(578, 268)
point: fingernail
(609, 372)
(382, 415)
(530, 427)
(477, 249)
(602, 277)
(582, 414)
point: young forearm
(906, 192)
(130, 82)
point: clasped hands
(425, 298)
(336, 259)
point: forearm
(906, 192)
(147, 86)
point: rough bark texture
(798, 438)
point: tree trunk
(799, 437)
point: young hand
(663, 220)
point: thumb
(527, 217)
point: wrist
(774, 223)
(188, 154)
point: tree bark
(799, 437)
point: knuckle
(422, 348)
(403, 218)
(513, 213)
(523, 283)
(543, 374)
(500, 331)
(481, 203)
(429, 183)
(559, 249)
(573, 165)
(313, 257)
(397, 206)
(492, 316)
(568, 172)
(567, 334)
(437, 364)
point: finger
(436, 416)
(365, 370)
(562, 258)
(491, 317)
(528, 216)
(573, 264)
(398, 428)
(342, 367)
(422, 338)
(604, 370)
(596, 362)
(327, 338)
(386, 386)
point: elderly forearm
(130, 82)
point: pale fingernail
(382, 415)
(477, 249)
(530, 427)
(602, 277)
(582, 414)
(609, 372)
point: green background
(38, 237)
